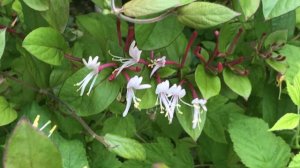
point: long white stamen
(45, 125)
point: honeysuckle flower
(158, 63)
(132, 85)
(135, 55)
(176, 93)
(199, 107)
(162, 90)
(93, 65)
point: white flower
(132, 85)
(199, 107)
(162, 90)
(93, 65)
(135, 55)
(158, 63)
(177, 94)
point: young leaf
(46, 44)
(28, 147)
(275, 8)
(208, 84)
(7, 114)
(200, 15)
(239, 84)
(295, 163)
(39, 5)
(125, 147)
(251, 140)
(294, 89)
(288, 122)
(2, 41)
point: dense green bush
(149, 83)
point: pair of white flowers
(169, 99)
(93, 65)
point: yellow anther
(36, 121)
(52, 130)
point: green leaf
(278, 37)
(239, 84)
(137, 8)
(58, 14)
(292, 58)
(39, 5)
(72, 152)
(208, 84)
(274, 8)
(294, 89)
(201, 15)
(123, 126)
(252, 142)
(298, 18)
(185, 119)
(2, 42)
(148, 36)
(125, 147)
(295, 163)
(249, 7)
(46, 44)
(103, 94)
(7, 113)
(288, 122)
(28, 147)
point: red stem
(172, 63)
(234, 42)
(119, 31)
(198, 54)
(152, 55)
(193, 90)
(130, 37)
(142, 61)
(107, 65)
(188, 47)
(72, 58)
(127, 77)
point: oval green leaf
(7, 114)
(137, 8)
(39, 5)
(125, 147)
(200, 15)
(2, 41)
(28, 147)
(102, 95)
(46, 44)
(288, 122)
(239, 84)
(208, 84)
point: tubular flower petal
(135, 55)
(162, 90)
(158, 63)
(132, 85)
(199, 107)
(176, 93)
(93, 65)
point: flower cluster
(169, 98)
